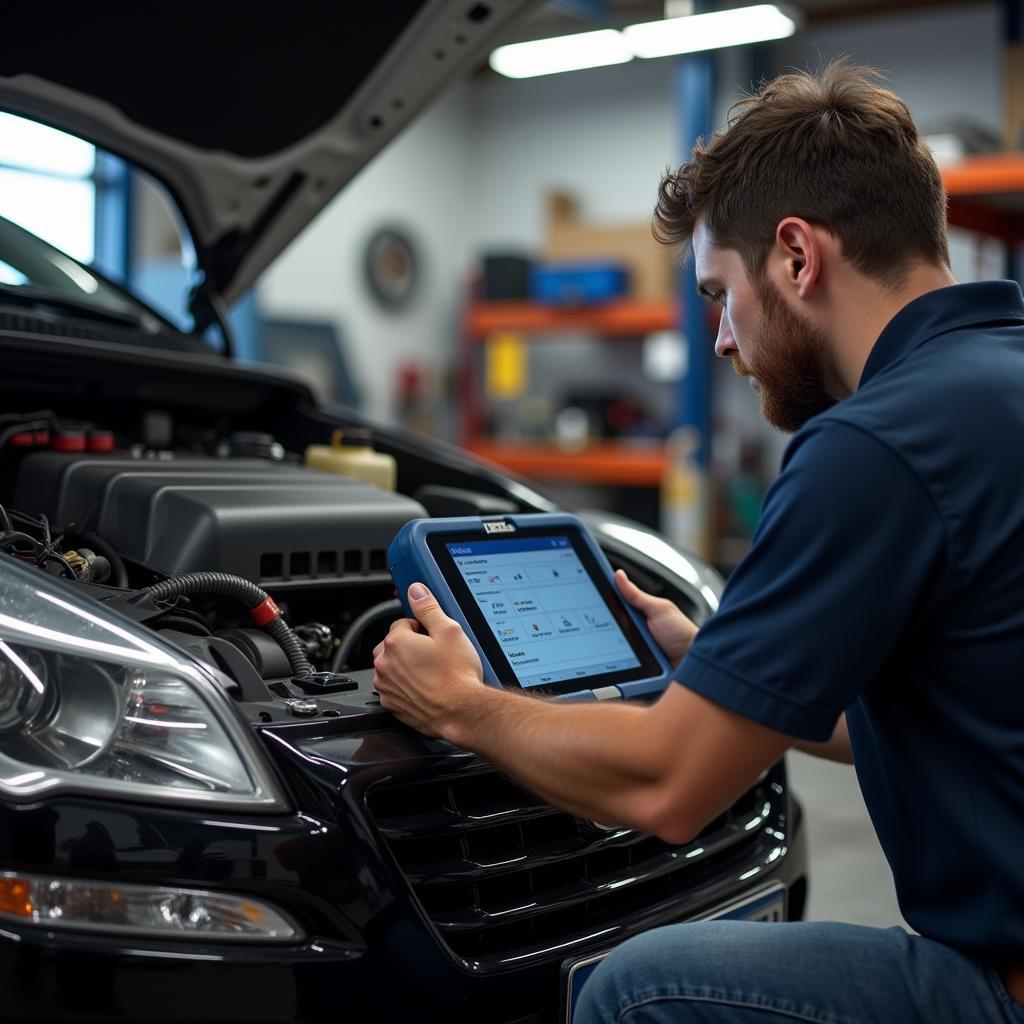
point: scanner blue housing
(410, 561)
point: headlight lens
(90, 701)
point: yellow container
(351, 453)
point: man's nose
(725, 343)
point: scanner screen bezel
(649, 666)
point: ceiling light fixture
(736, 27)
(713, 31)
(561, 53)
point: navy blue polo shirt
(886, 579)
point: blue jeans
(755, 973)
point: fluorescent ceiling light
(666, 38)
(562, 53)
(710, 31)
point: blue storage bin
(578, 284)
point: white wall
(418, 183)
(944, 63)
(606, 135)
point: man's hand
(426, 669)
(668, 625)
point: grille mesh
(500, 873)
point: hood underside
(253, 118)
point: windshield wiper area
(63, 315)
(44, 298)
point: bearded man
(878, 617)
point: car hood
(253, 118)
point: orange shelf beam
(615, 318)
(605, 463)
(985, 175)
(986, 194)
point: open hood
(253, 117)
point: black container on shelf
(506, 276)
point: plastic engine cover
(261, 520)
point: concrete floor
(850, 879)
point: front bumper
(374, 951)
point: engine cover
(265, 521)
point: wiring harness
(41, 548)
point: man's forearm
(668, 768)
(594, 760)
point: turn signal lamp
(159, 911)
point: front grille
(500, 873)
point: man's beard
(789, 361)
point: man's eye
(718, 297)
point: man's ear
(799, 253)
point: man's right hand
(668, 625)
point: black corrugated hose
(260, 604)
(386, 609)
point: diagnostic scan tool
(536, 596)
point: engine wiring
(42, 550)
(30, 539)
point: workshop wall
(418, 184)
(607, 134)
(470, 176)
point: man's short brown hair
(834, 148)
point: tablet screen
(542, 603)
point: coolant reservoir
(351, 453)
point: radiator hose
(262, 608)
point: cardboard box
(569, 238)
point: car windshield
(86, 234)
(33, 271)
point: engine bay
(189, 543)
(174, 488)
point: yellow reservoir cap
(351, 454)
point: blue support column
(694, 88)
(113, 217)
(686, 488)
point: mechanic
(878, 618)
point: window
(46, 185)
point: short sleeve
(848, 547)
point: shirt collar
(940, 311)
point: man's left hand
(426, 668)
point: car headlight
(91, 702)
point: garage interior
(490, 279)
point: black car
(204, 812)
